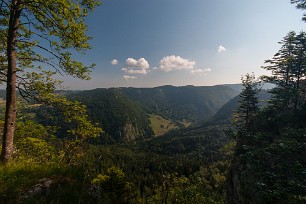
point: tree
(248, 107)
(288, 68)
(113, 187)
(300, 4)
(36, 34)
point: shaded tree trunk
(10, 111)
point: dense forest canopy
(232, 143)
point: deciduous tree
(37, 40)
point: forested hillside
(189, 103)
(120, 117)
(124, 113)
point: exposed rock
(42, 188)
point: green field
(160, 125)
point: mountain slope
(225, 113)
(121, 118)
(189, 103)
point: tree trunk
(10, 111)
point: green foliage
(34, 141)
(149, 171)
(289, 71)
(267, 177)
(73, 113)
(112, 187)
(52, 29)
(37, 34)
(73, 121)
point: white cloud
(134, 71)
(127, 77)
(141, 63)
(170, 63)
(221, 49)
(200, 72)
(167, 64)
(114, 62)
(133, 66)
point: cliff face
(131, 132)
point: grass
(160, 125)
(18, 176)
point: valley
(152, 102)
(151, 144)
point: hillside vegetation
(183, 164)
(188, 103)
(120, 117)
(233, 143)
(128, 114)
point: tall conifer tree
(288, 68)
(248, 101)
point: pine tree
(299, 71)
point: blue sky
(183, 42)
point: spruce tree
(248, 107)
(288, 68)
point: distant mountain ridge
(190, 103)
(123, 112)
